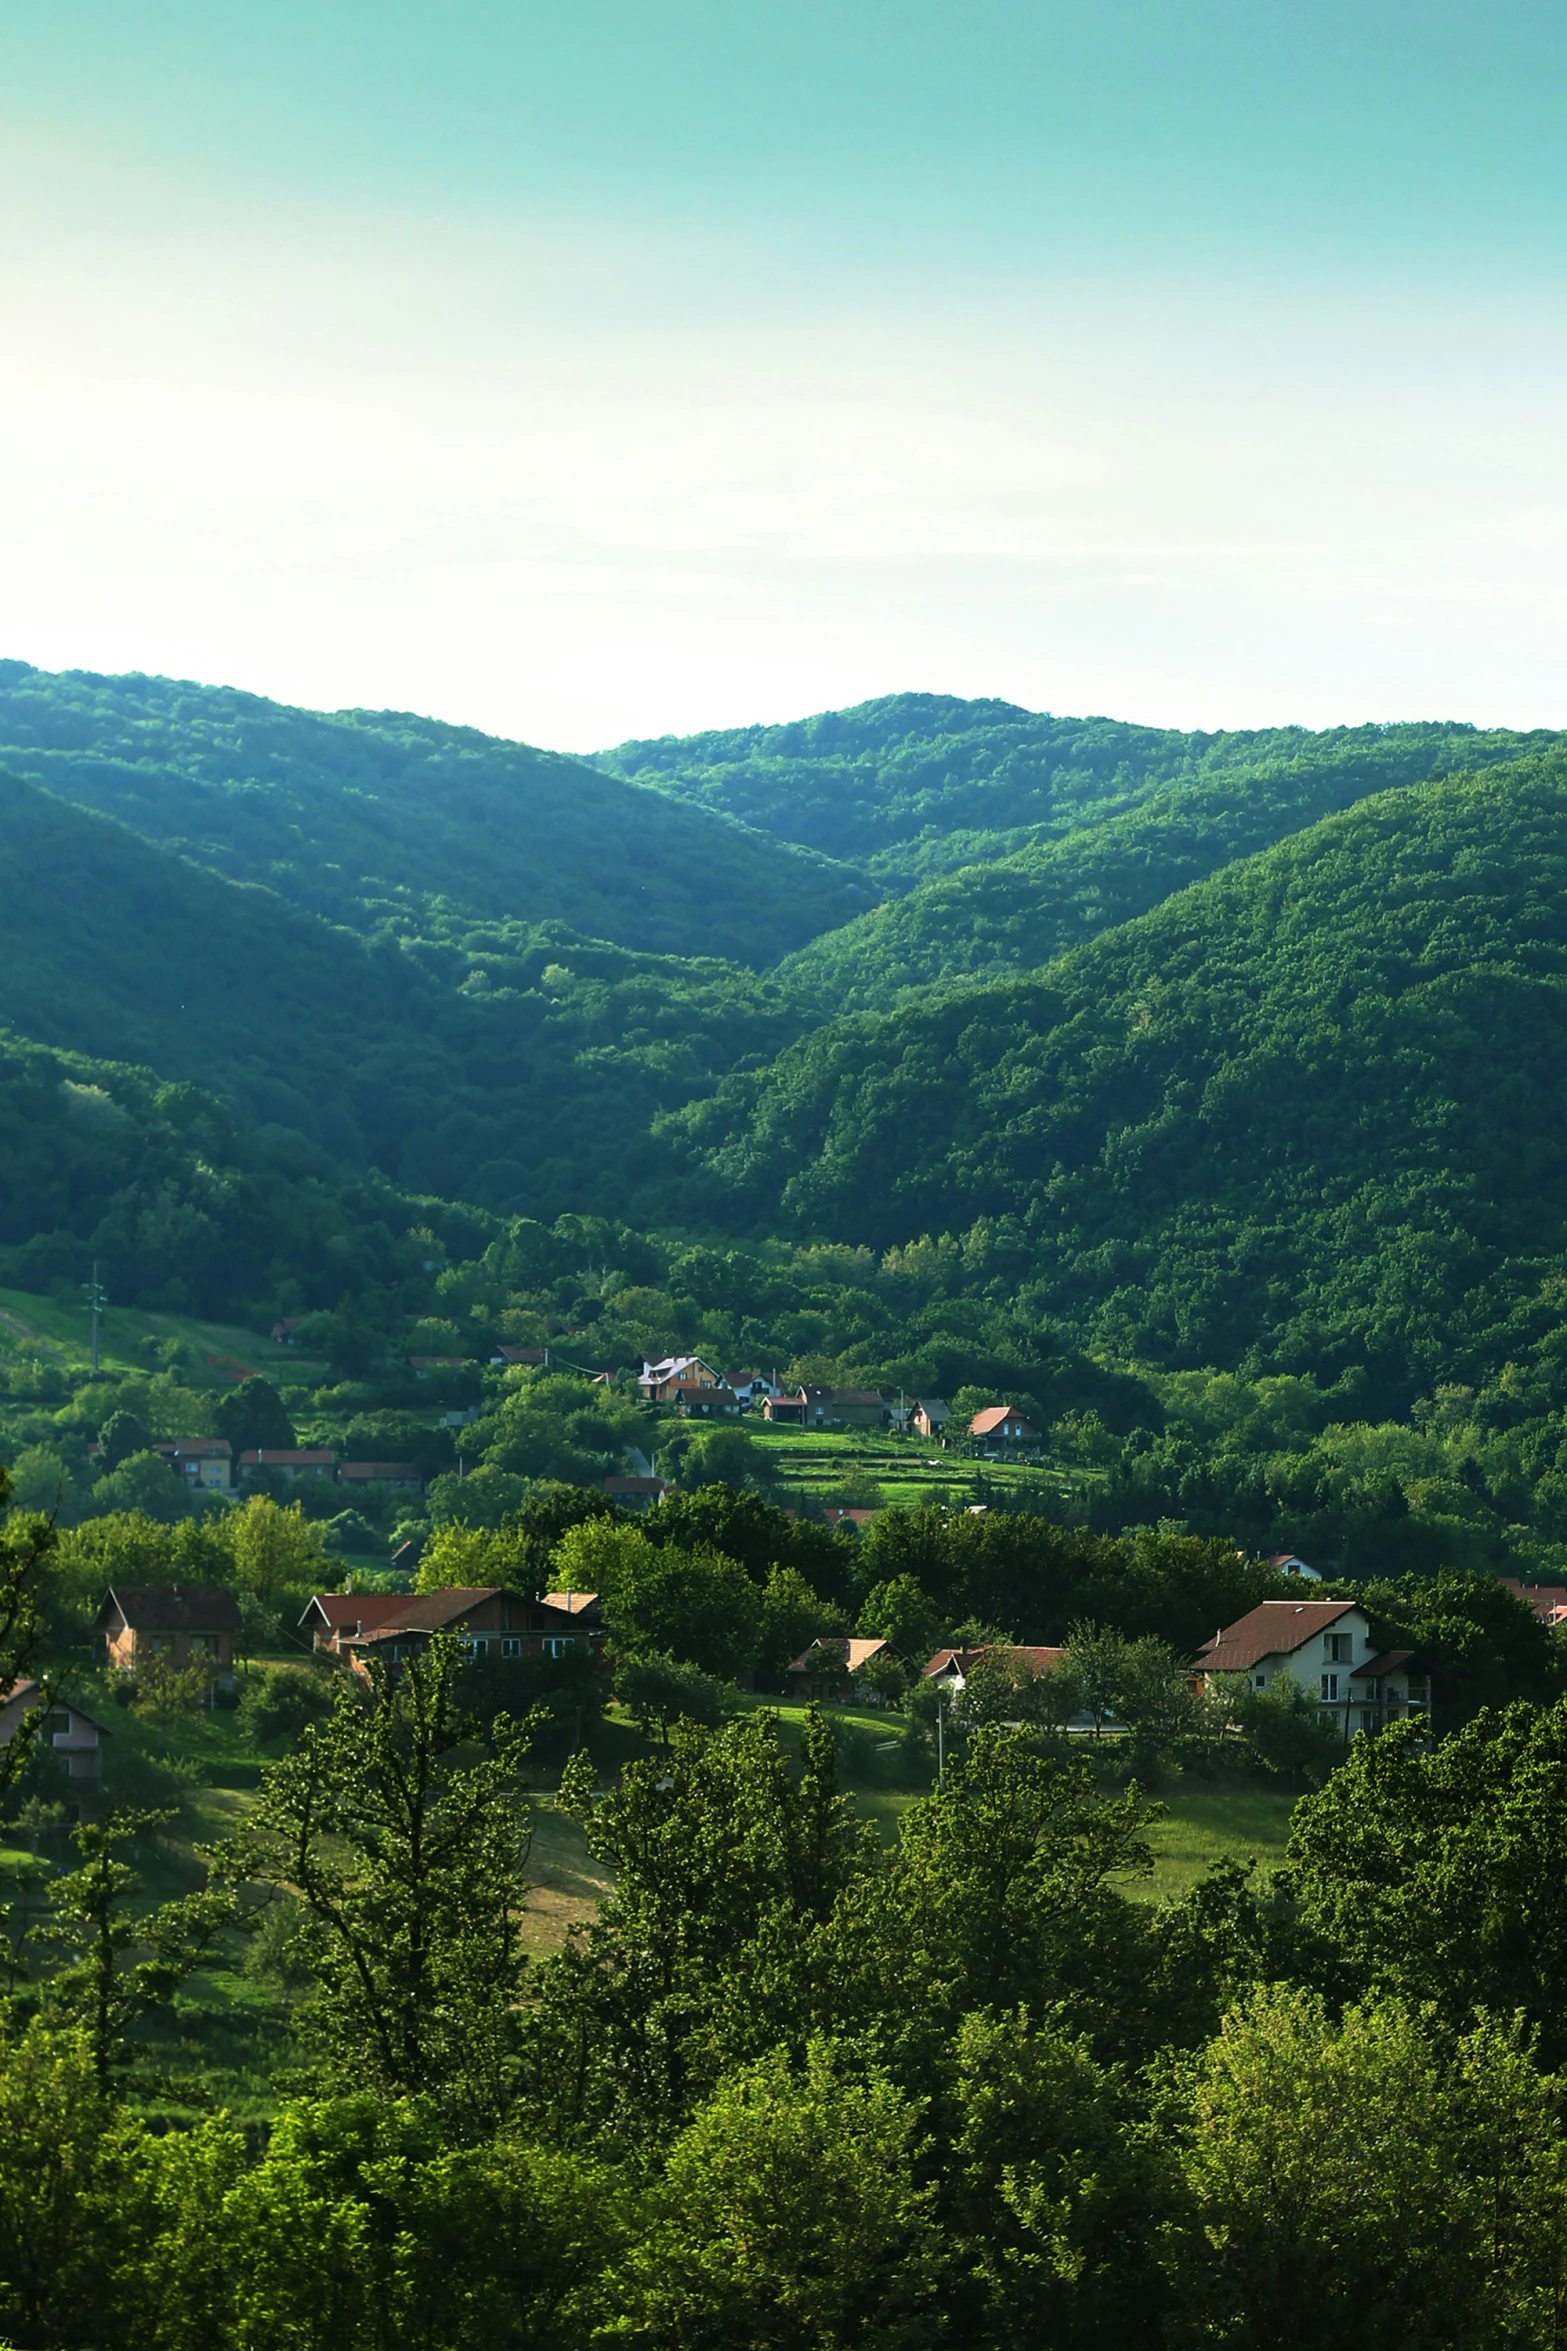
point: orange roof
(1275, 1628)
(993, 1416)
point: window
(557, 1645)
(1330, 1685)
(511, 1647)
(1341, 1648)
(161, 1644)
(204, 1644)
(1262, 1681)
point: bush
(282, 1703)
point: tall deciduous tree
(407, 1848)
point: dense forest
(1200, 1099)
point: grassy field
(907, 1470)
(217, 1353)
(1205, 1825)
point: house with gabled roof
(830, 1668)
(1327, 1648)
(1003, 1424)
(492, 1623)
(66, 1728)
(187, 1624)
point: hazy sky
(590, 369)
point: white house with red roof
(1326, 1648)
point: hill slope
(1311, 1112)
(520, 1068)
(917, 785)
(365, 817)
(996, 920)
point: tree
(408, 1854)
(791, 1617)
(67, 2192)
(254, 1419)
(789, 2217)
(102, 1991)
(1440, 1870)
(274, 1549)
(695, 1605)
(26, 1543)
(1419, 2186)
(660, 1691)
(726, 1868)
(899, 1611)
(145, 1484)
(1055, 2199)
(121, 1435)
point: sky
(585, 370)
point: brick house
(490, 1622)
(785, 1411)
(857, 1408)
(702, 1400)
(658, 1381)
(189, 1624)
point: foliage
(26, 1542)
(695, 1605)
(661, 1690)
(408, 1856)
(791, 2216)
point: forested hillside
(1309, 1113)
(993, 920)
(918, 785)
(514, 1064)
(371, 817)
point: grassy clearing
(1205, 1825)
(218, 1353)
(815, 1461)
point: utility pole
(97, 1300)
(941, 1744)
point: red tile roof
(1038, 1660)
(318, 1458)
(1275, 1628)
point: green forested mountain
(992, 920)
(918, 785)
(1309, 1113)
(184, 1204)
(514, 1064)
(371, 817)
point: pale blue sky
(595, 369)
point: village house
(204, 1462)
(785, 1411)
(753, 1387)
(1289, 1563)
(658, 1381)
(424, 1366)
(701, 1400)
(930, 1417)
(1002, 1424)
(188, 1624)
(517, 1358)
(830, 1668)
(1548, 1601)
(582, 1606)
(400, 1475)
(630, 1493)
(74, 1735)
(1326, 1648)
(308, 1462)
(951, 1668)
(857, 1408)
(852, 1515)
(286, 1333)
(491, 1623)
